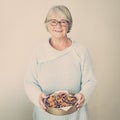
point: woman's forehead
(57, 16)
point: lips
(58, 30)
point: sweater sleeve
(88, 84)
(32, 87)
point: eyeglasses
(54, 22)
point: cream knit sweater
(52, 70)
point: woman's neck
(60, 44)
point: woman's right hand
(41, 97)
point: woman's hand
(41, 97)
(81, 100)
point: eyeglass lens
(55, 22)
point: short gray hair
(61, 10)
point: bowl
(61, 103)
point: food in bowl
(60, 103)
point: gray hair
(60, 10)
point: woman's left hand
(81, 100)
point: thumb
(43, 95)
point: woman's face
(57, 26)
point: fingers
(43, 106)
(81, 100)
(42, 96)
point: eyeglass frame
(60, 22)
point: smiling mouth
(58, 30)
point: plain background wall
(96, 26)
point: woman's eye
(63, 21)
(54, 21)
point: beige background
(96, 26)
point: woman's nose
(59, 24)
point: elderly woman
(60, 64)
